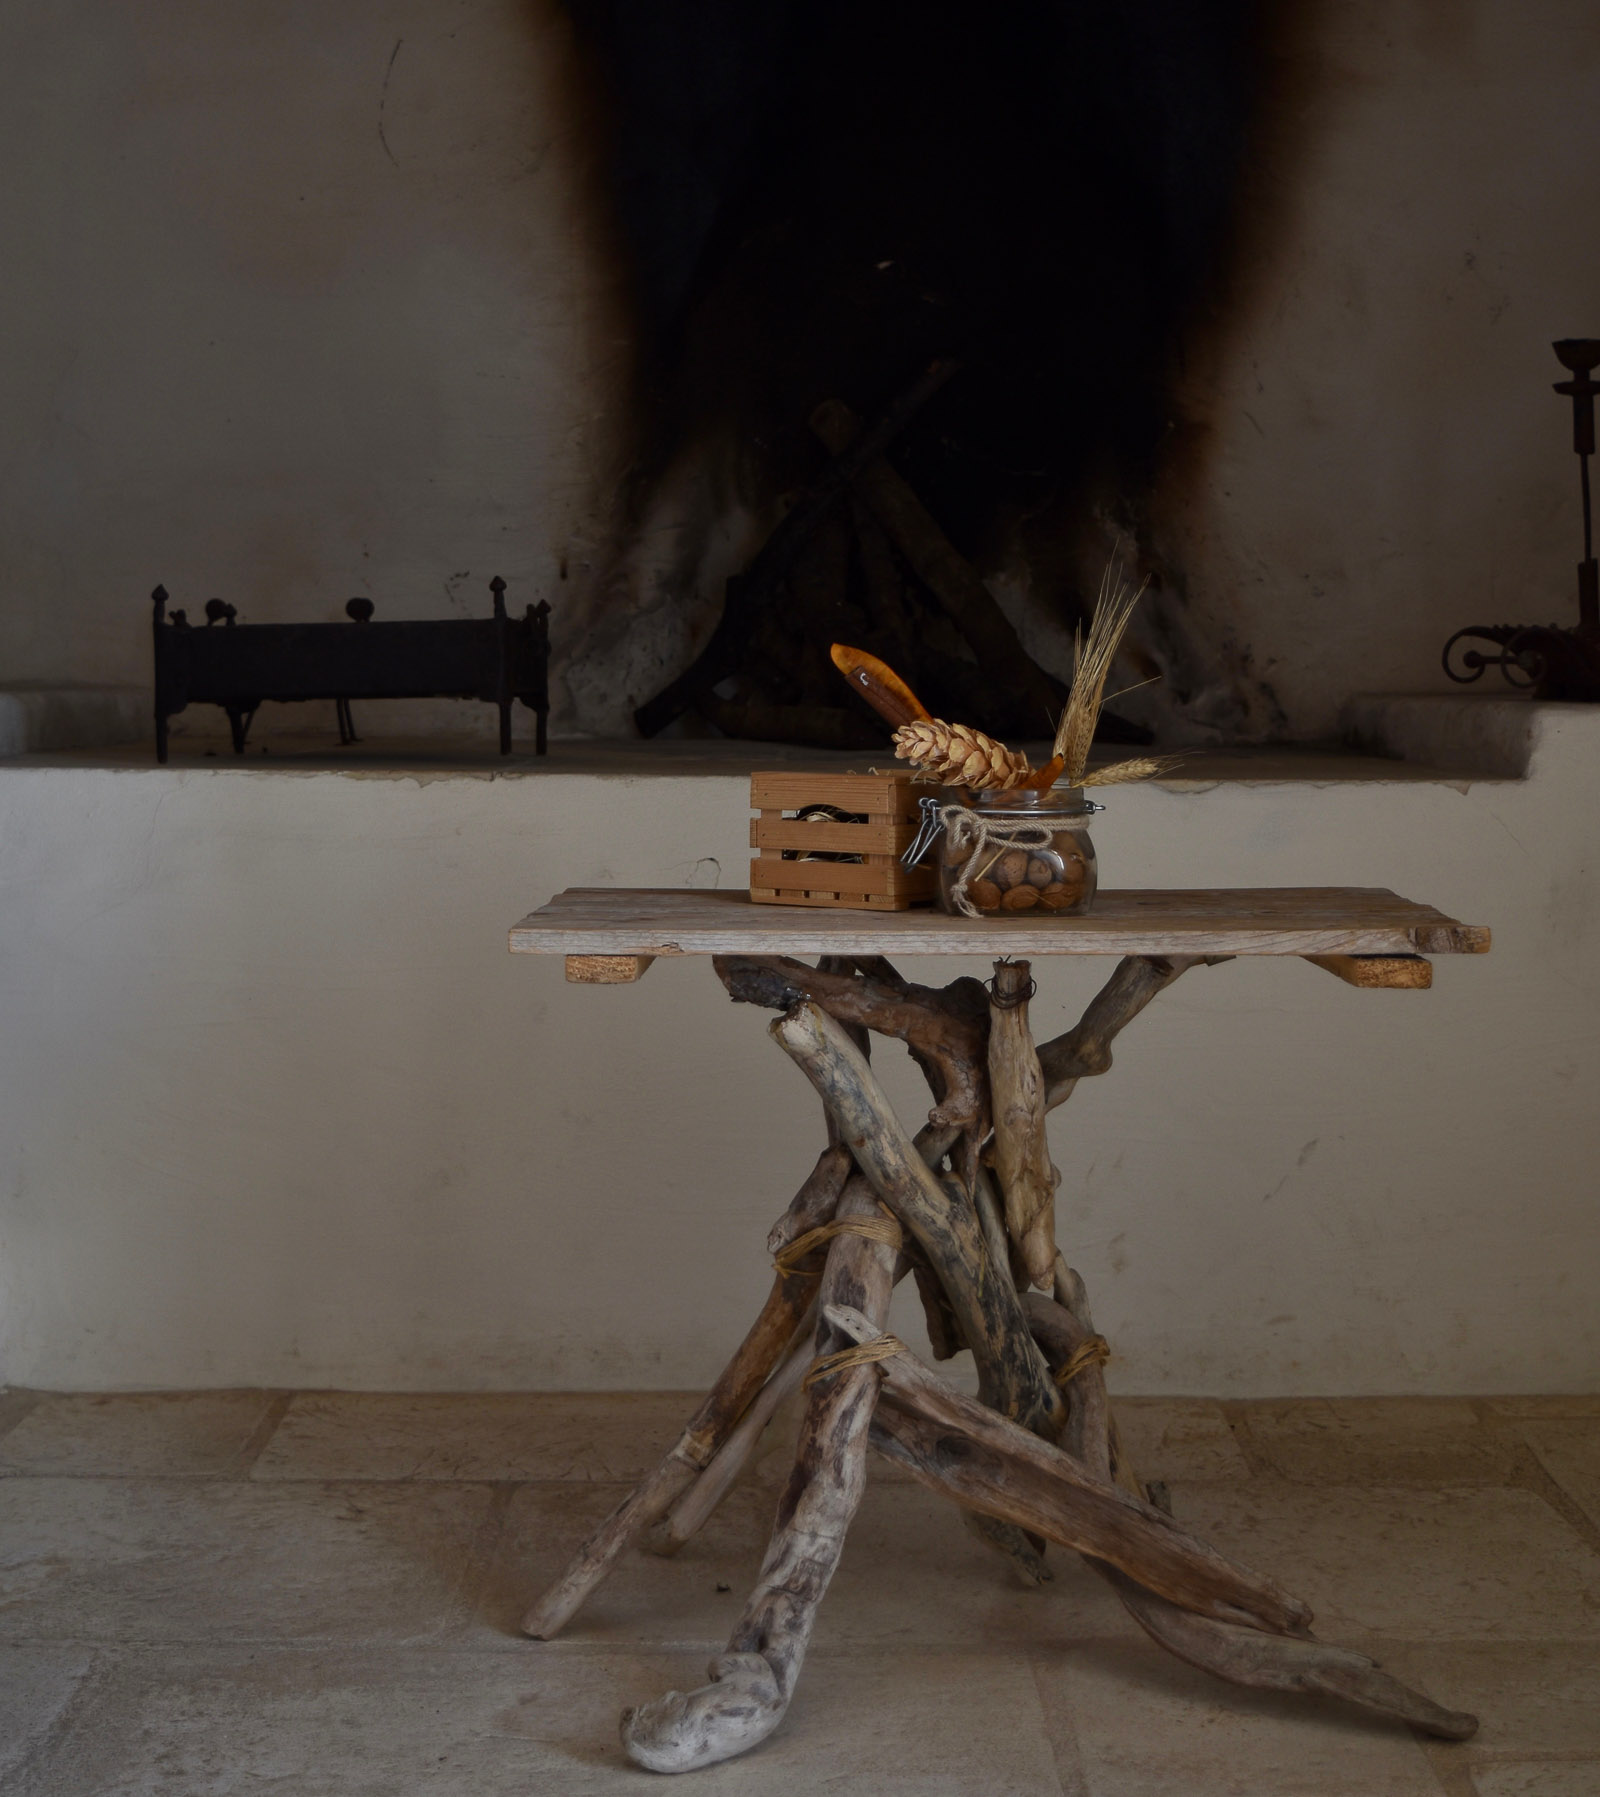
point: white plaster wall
(301, 301)
(1378, 458)
(277, 1107)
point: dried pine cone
(958, 755)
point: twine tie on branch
(1096, 1351)
(1011, 1001)
(875, 1229)
(966, 827)
(881, 1347)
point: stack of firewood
(859, 559)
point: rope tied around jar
(964, 826)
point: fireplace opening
(983, 234)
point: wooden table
(965, 1204)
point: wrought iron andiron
(495, 659)
(1549, 660)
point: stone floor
(211, 1593)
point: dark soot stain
(818, 196)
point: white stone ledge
(1487, 735)
(1448, 738)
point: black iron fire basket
(1552, 661)
(239, 666)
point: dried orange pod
(1042, 778)
(879, 685)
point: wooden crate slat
(887, 878)
(891, 794)
(827, 900)
(827, 836)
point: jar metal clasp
(927, 832)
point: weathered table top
(1331, 921)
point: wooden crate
(875, 883)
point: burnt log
(747, 595)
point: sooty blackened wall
(819, 195)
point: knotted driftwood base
(967, 1207)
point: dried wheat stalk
(1141, 767)
(1075, 732)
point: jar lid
(1054, 801)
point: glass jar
(1007, 854)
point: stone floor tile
(1141, 1724)
(1389, 1415)
(899, 1723)
(1529, 1697)
(1534, 1778)
(168, 1560)
(15, 1403)
(1380, 1441)
(910, 1573)
(646, 1599)
(36, 1685)
(435, 1724)
(1178, 1438)
(1570, 1406)
(135, 1435)
(1570, 1453)
(207, 1638)
(476, 1435)
(1484, 1563)
(1356, 1413)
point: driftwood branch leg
(1086, 1049)
(942, 1026)
(1002, 1253)
(694, 1509)
(1012, 1374)
(710, 1425)
(949, 1231)
(791, 1297)
(1271, 1661)
(1021, 1148)
(753, 1681)
(816, 1200)
(989, 1463)
(1063, 1330)
(1267, 1662)
(1245, 1655)
(981, 1233)
(1218, 1617)
(946, 1030)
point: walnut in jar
(1011, 869)
(1018, 852)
